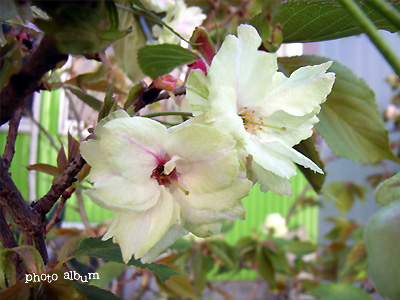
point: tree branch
(142, 101)
(67, 178)
(9, 150)
(24, 83)
(8, 240)
(30, 224)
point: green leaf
(317, 20)
(301, 248)
(355, 260)
(381, 236)
(91, 292)
(45, 168)
(108, 272)
(350, 121)
(107, 250)
(223, 252)
(79, 29)
(126, 48)
(388, 191)
(307, 148)
(86, 98)
(200, 270)
(161, 59)
(112, 14)
(265, 265)
(344, 194)
(107, 104)
(342, 291)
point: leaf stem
(168, 113)
(371, 30)
(386, 10)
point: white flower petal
(137, 233)
(300, 94)
(116, 193)
(269, 181)
(200, 208)
(204, 230)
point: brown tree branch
(66, 179)
(24, 83)
(9, 150)
(8, 240)
(142, 102)
(65, 196)
(30, 223)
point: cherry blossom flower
(163, 183)
(264, 110)
(182, 19)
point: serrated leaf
(318, 20)
(91, 292)
(342, 291)
(107, 250)
(161, 59)
(45, 168)
(350, 121)
(388, 191)
(307, 148)
(86, 98)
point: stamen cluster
(249, 120)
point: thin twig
(13, 125)
(361, 19)
(66, 195)
(42, 129)
(81, 210)
(296, 202)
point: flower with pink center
(163, 183)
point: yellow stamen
(265, 125)
(174, 182)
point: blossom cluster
(165, 182)
(178, 16)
